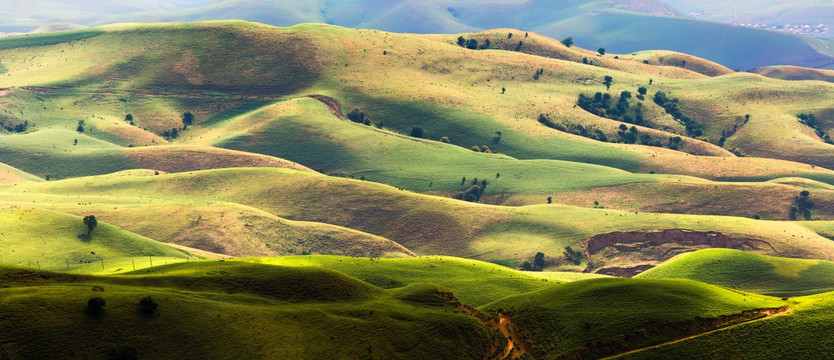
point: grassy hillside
(43, 239)
(64, 154)
(423, 224)
(10, 175)
(583, 19)
(602, 317)
(749, 272)
(460, 100)
(475, 283)
(799, 334)
(795, 73)
(319, 314)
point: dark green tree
(417, 131)
(608, 81)
(187, 120)
(539, 261)
(90, 222)
(601, 51)
(568, 41)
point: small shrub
(445, 140)
(148, 306)
(95, 306)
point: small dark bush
(95, 306)
(148, 306)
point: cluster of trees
(474, 192)
(810, 120)
(538, 264)
(472, 44)
(187, 120)
(482, 149)
(625, 134)
(358, 116)
(802, 206)
(15, 128)
(573, 256)
(538, 74)
(603, 105)
(577, 129)
(693, 129)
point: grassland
(584, 319)
(473, 282)
(172, 204)
(749, 272)
(318, 313)
(48, 240)
(799, 334)
(795, 73)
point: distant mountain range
(620, 26)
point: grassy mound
(749, 272)
(599, 317)
(250, 303)
(51, 240)
(473, 282)
(786, 72)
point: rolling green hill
(795, 73)
(604, 317)
(426, 225)
(43, 239)
(799, 334)
(318, 313)
(749, 272)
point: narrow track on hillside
(505, 326)
(768, 313)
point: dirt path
(333, 104)
(505, 326)
(768, 313)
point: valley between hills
(238, 190)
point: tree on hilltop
(568, 41)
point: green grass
(53, 241)
(801, 334)
(332, 145)
(761, 274)
(423, 224)
(474, 282)
(573, 317)
(35, 40)
(265, 311)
